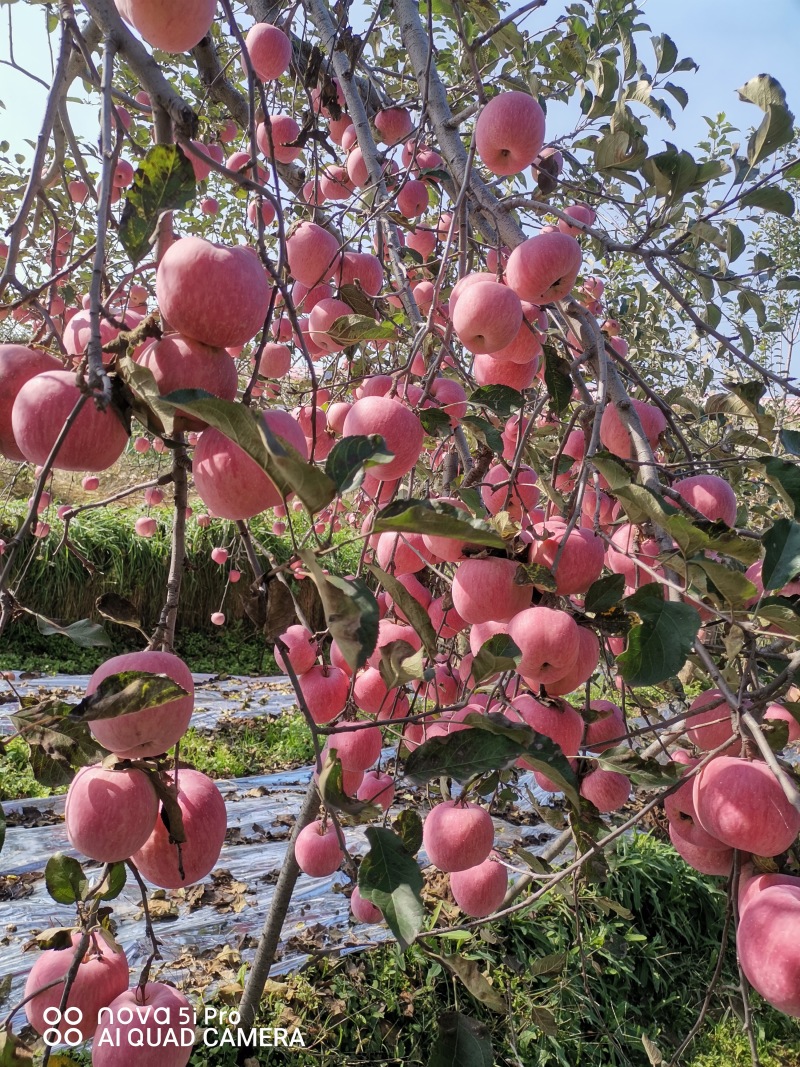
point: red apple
(109, 814)
(18, 364)
(204, 823)
(154, 730)
(457, 835)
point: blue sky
(732, 40)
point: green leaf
(435, 420)
(437, 519)
(164, 181)
(390, 878)
(351, 457)
(468, 971)
(776, 130)
(401, 663)
(331, 789)
(352, 329)
(659, 645)
(461, 755)
(645, 772)
(770, 198)
(484, 431)
(408, 825)
(557, 380)
(604, 594)
(735, 242)
(64, 879)
(666, 53)
(496, 655)
(412, 609)
(731, 584)
(787, 476)
(790, 439)
(461, 1042)
(125, 693)
(13, 1050)
(501, 399)
(790, 283)
(145, 398)
(84, 633)
(351, 612)
(781, 555)
(114, 882)
(764, 91)
(491, 743)
(58, 745)
(246, 428)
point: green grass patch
(630, 957)
(240, 747)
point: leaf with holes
(126, 693)
(164, 181)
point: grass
(235, 748)
(56, 584)
(586, 978)
(587, 973)
(240, 747)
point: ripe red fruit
(549, 642)
(457, 835)
(487, 317)
(544, 268)
(317, 851)
(153, 730)
(509, 132)
(364, 911)
(276, 140)
(397, 424)
(716, 861)
(484, 590)
(710, 725)
(742, 804)
(232, 484)
(480, 890)
(102, 975)
(178, 362)
(213, 293)
(204, 822)
(325, 691)
(607, 730)
(150, 1029)
(711, 496)
(768, 946)
(377, 788)
(174, 27)
(614, 436)
(95, 440)
(607, 790)
(394, 124)
(313, 254)
(18, 364)
(270, 51)
(580, 555)
(109, 814)
(301, 649)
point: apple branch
(142, 64)
(485, 204)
